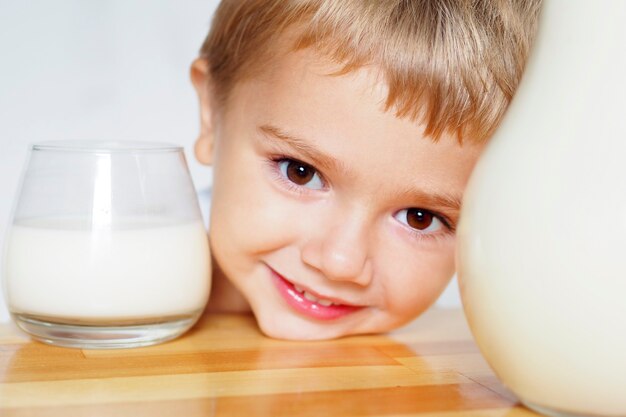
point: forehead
(344, 115)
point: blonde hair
(452, 65)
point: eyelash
(275, 160)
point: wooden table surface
(225, 367)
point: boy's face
(331, 216)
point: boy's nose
(341, 253)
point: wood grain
(225, 367)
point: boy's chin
(291, 327)
(294, 327)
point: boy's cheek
(421, 286)
(255, 224)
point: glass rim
(105, 146)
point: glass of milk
(107, 248)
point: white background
(115, 69)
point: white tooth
(310, 297)
(299, 288)
(324, 303)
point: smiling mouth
(310, 305)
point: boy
(342, 134)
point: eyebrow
(303, 146)
(450, 203)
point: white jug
(542, 239)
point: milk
(542, 237)
(551, 334)
(135, 271)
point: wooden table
(225, 367)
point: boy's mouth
(309, 304)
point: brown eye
(422, 222)
(419, 219)
(300, 173)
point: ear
(201, 80)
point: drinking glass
(107, 248)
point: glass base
(99, 336)
(556, 413)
